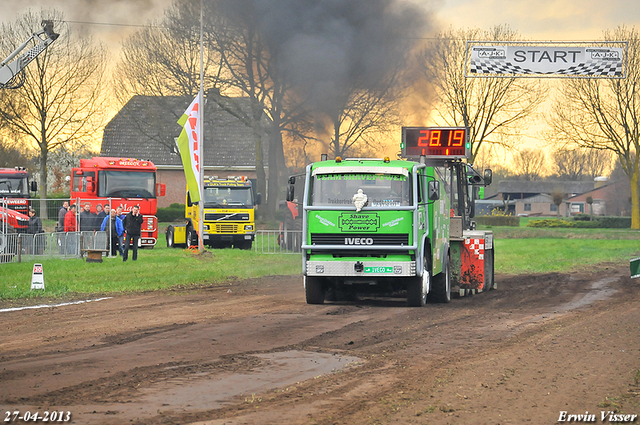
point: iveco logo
(358, 241)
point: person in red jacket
(71, 238)
(70, 219)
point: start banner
(545, 60)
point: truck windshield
(382, 190)
(228, 197)
(126, 184)
(14, 186)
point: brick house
(611, 199)
(146, 128)
(534, 198)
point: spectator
(60, 225)
(121, 244)
(100, 215)
(35, 227)
(63, 211)
(87, 218)
(70, 219)
(113, 226)
(71, 238)
(133, 226)
(35, 224)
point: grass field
(155, 269)
(518, 250)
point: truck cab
(15, 191)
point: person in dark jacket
(63, 211)
(133, 226)
(87, 219)
(99, 218)
(34, 244)
(113, 226)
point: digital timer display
(435, 142)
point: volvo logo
(358, 241)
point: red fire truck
(14, 186)
(14, 194)
(122, 182)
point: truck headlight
(248, 227)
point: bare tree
(557, 196)
(12, 156)
(580, 163)
(529, 164)
(568, 164)
(603, 114)
(495, 109)
(162, 60)
(61, 101)
(597, 163)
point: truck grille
(226, 228)
(347, 239)
(224, 217)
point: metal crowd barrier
(278, 242)
(18, 247)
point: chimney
(600, 181)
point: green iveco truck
(394, 226)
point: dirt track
(255, 353)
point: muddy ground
(253, 352)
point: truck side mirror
(290, 193)
(488, 176)
(292, 180)
(434, 190)
(90, 186)
(189, 203)
(34, 186)
(258, 198)
(161, 189)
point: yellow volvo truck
(229, 218)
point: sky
(557, 20)
(542, 20)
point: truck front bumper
(365, 269)
(216, 237)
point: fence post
(19, 247)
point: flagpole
(200, 136)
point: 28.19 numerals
(47, 416)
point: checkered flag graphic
(476, 247)
(591, 68)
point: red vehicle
(14, 186)
(122, 182)
(14, 194)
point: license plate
(378, 269)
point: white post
(201, 138)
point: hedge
(172, 213)
(598, 222)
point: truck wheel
(192, 237)
(170, 239)
(314, 290)
(417, 287)
(441, 291)
(489, 270)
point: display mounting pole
(201, 138)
